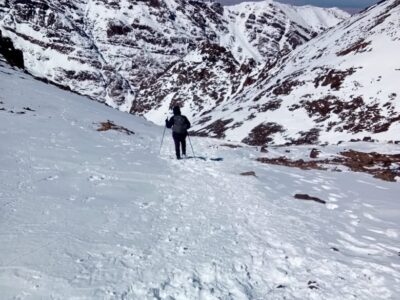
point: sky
(349, 5)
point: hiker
(180, 124)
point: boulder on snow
(309, 198)
(314, 153)
(250, 173)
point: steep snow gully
(88, 214)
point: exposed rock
(373, 163)
(307, 137)
(354, 115)
(262, 134)
(357, 47)
(215, 129)
(250, 173)
(309, 198)
(286, 87)
(381, 166)
(13, 56)
(334, 78)
(284, 161)
(314, 153)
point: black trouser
(179, 139)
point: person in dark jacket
(179, 124)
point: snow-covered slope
(105, 49)
(88, 214)
(266, 29)
(341, 85)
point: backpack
(180, 125)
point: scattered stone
(109, 125)
(309, 198)
(250, 173)
(29, 109)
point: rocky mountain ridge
(258, 73)
(340, 86)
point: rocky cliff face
(113, 51)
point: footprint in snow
(145, 205)
(96, 178)
(51, 178)
(89, 199)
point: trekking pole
(191, 145)
(162, 139)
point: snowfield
(87, 214)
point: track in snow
(99, 215)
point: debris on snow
(382, 166)
(109, 125)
